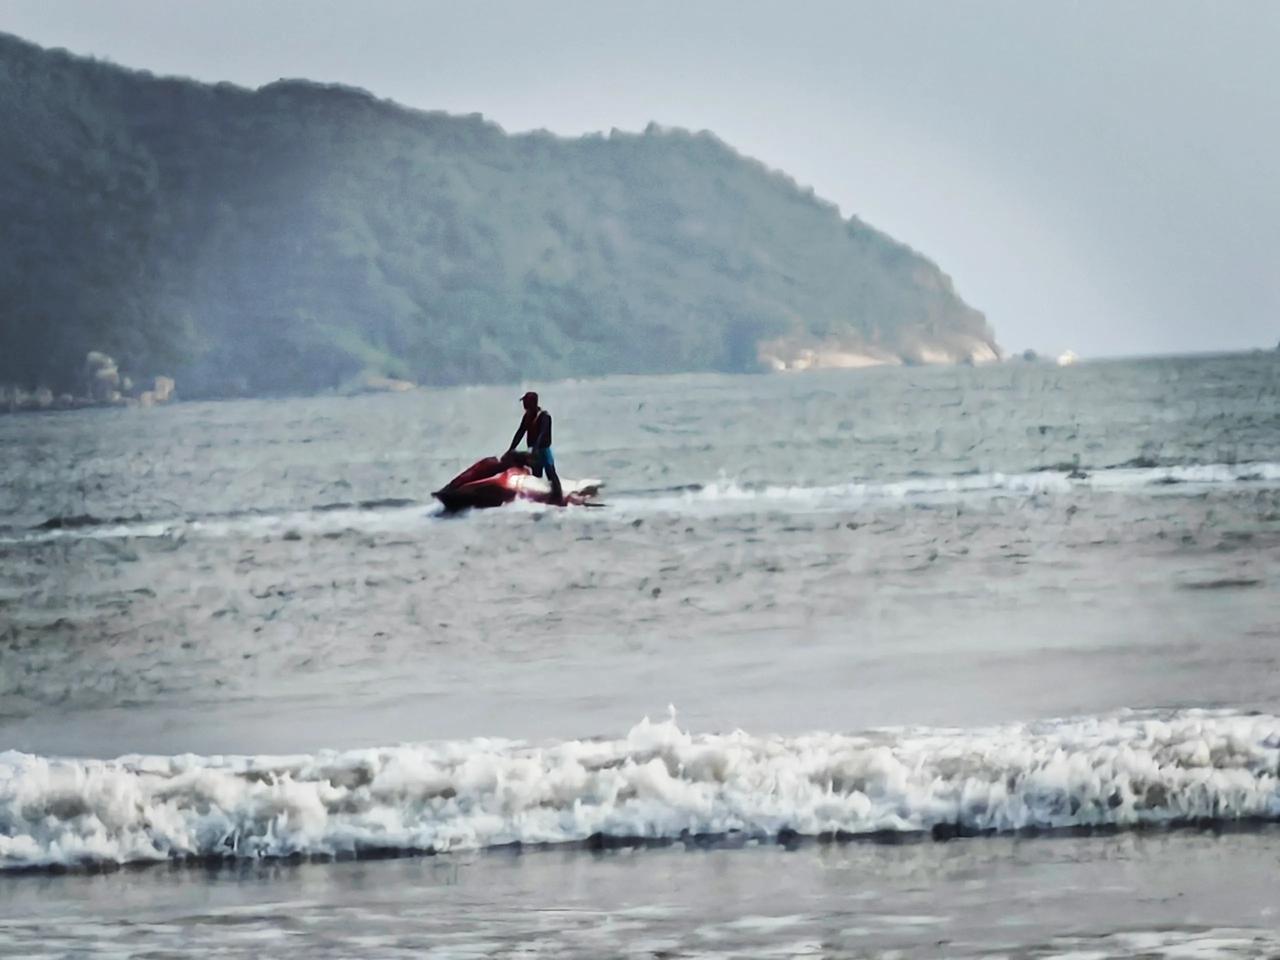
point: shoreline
(65, 403)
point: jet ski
(494, 481)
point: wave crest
(657, 783)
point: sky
(1098, 175)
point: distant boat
(1067, 358)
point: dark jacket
(535, 426)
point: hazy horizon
(1092, 178)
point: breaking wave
(657, 783)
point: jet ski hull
(492, 483)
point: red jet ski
(492, 482)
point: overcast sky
(1103, 176)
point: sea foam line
(721, 496)
(316, 522)
(729, 494)
(658, 782)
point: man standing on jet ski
(535, 427)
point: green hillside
(291, 238)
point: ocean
(973, 662)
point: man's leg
(557, 492)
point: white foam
(656, 782)
(301, 522)
(1211, 944)
(728, 495)
(721, 496)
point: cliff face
(298, 236)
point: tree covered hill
(290, 238)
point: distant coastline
(15, 400)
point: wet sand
(1174, 895)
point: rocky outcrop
(791, 355)
(376, 383)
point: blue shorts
(543, 458)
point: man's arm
(515, 441)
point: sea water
(962, 661)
